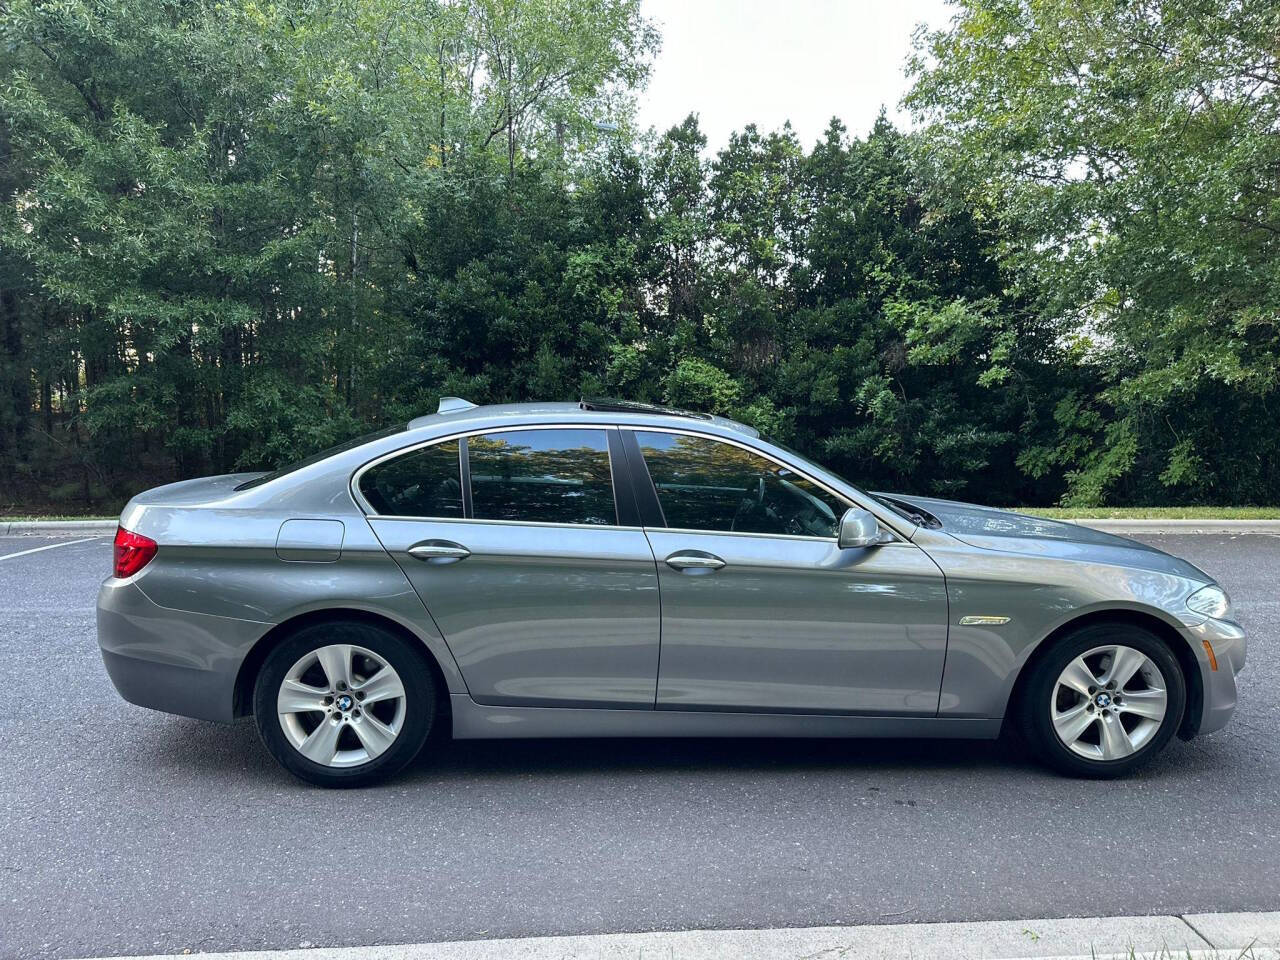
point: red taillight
(133, 552)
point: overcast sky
(736, 62)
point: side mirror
(859, 528)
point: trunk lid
(190, 493)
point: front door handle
(439, 550)
(694, 561)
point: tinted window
(708, 485)
(423, 483)
(551, 476)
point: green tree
(226, 224)
(235, 232)
(1131, 150)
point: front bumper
(1229, 647)
(171, 660)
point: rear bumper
(175, 661)
(1229, 648)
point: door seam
(422, 600)
(946, 641)
(657, 579)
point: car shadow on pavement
(444, 760)
(211, 749)
(525, 758)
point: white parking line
(51, 546)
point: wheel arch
(1178, 646)
(242, 702)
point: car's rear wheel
(344, 704)
(1105, 700)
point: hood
(190, 493)
(1009, 532)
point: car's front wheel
(343, 704)
(1105, 700)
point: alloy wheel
(1109, 702)
(341, 705)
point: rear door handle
(438, 550)
(694, 561)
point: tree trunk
(354, 335)
(15, 372)
(46, 405)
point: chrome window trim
(353, 485)
(548, 524)
(843, 498)
(743, 533)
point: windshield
(322, 455)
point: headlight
(1212, 601)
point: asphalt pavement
(124, 831)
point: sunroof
(634, 406)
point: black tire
(1037, 722)
(399, 653)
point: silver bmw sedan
(609, 569)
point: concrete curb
(1181, 526)
(1198, 937)
(55, 528)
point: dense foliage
(234, 233)
(1132, 148)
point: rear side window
(423, 483)
(706, 484)
(542, 476)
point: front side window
(542, 476)
(422, 483)
(706, 484)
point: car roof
(457, 413)
(459, 417)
